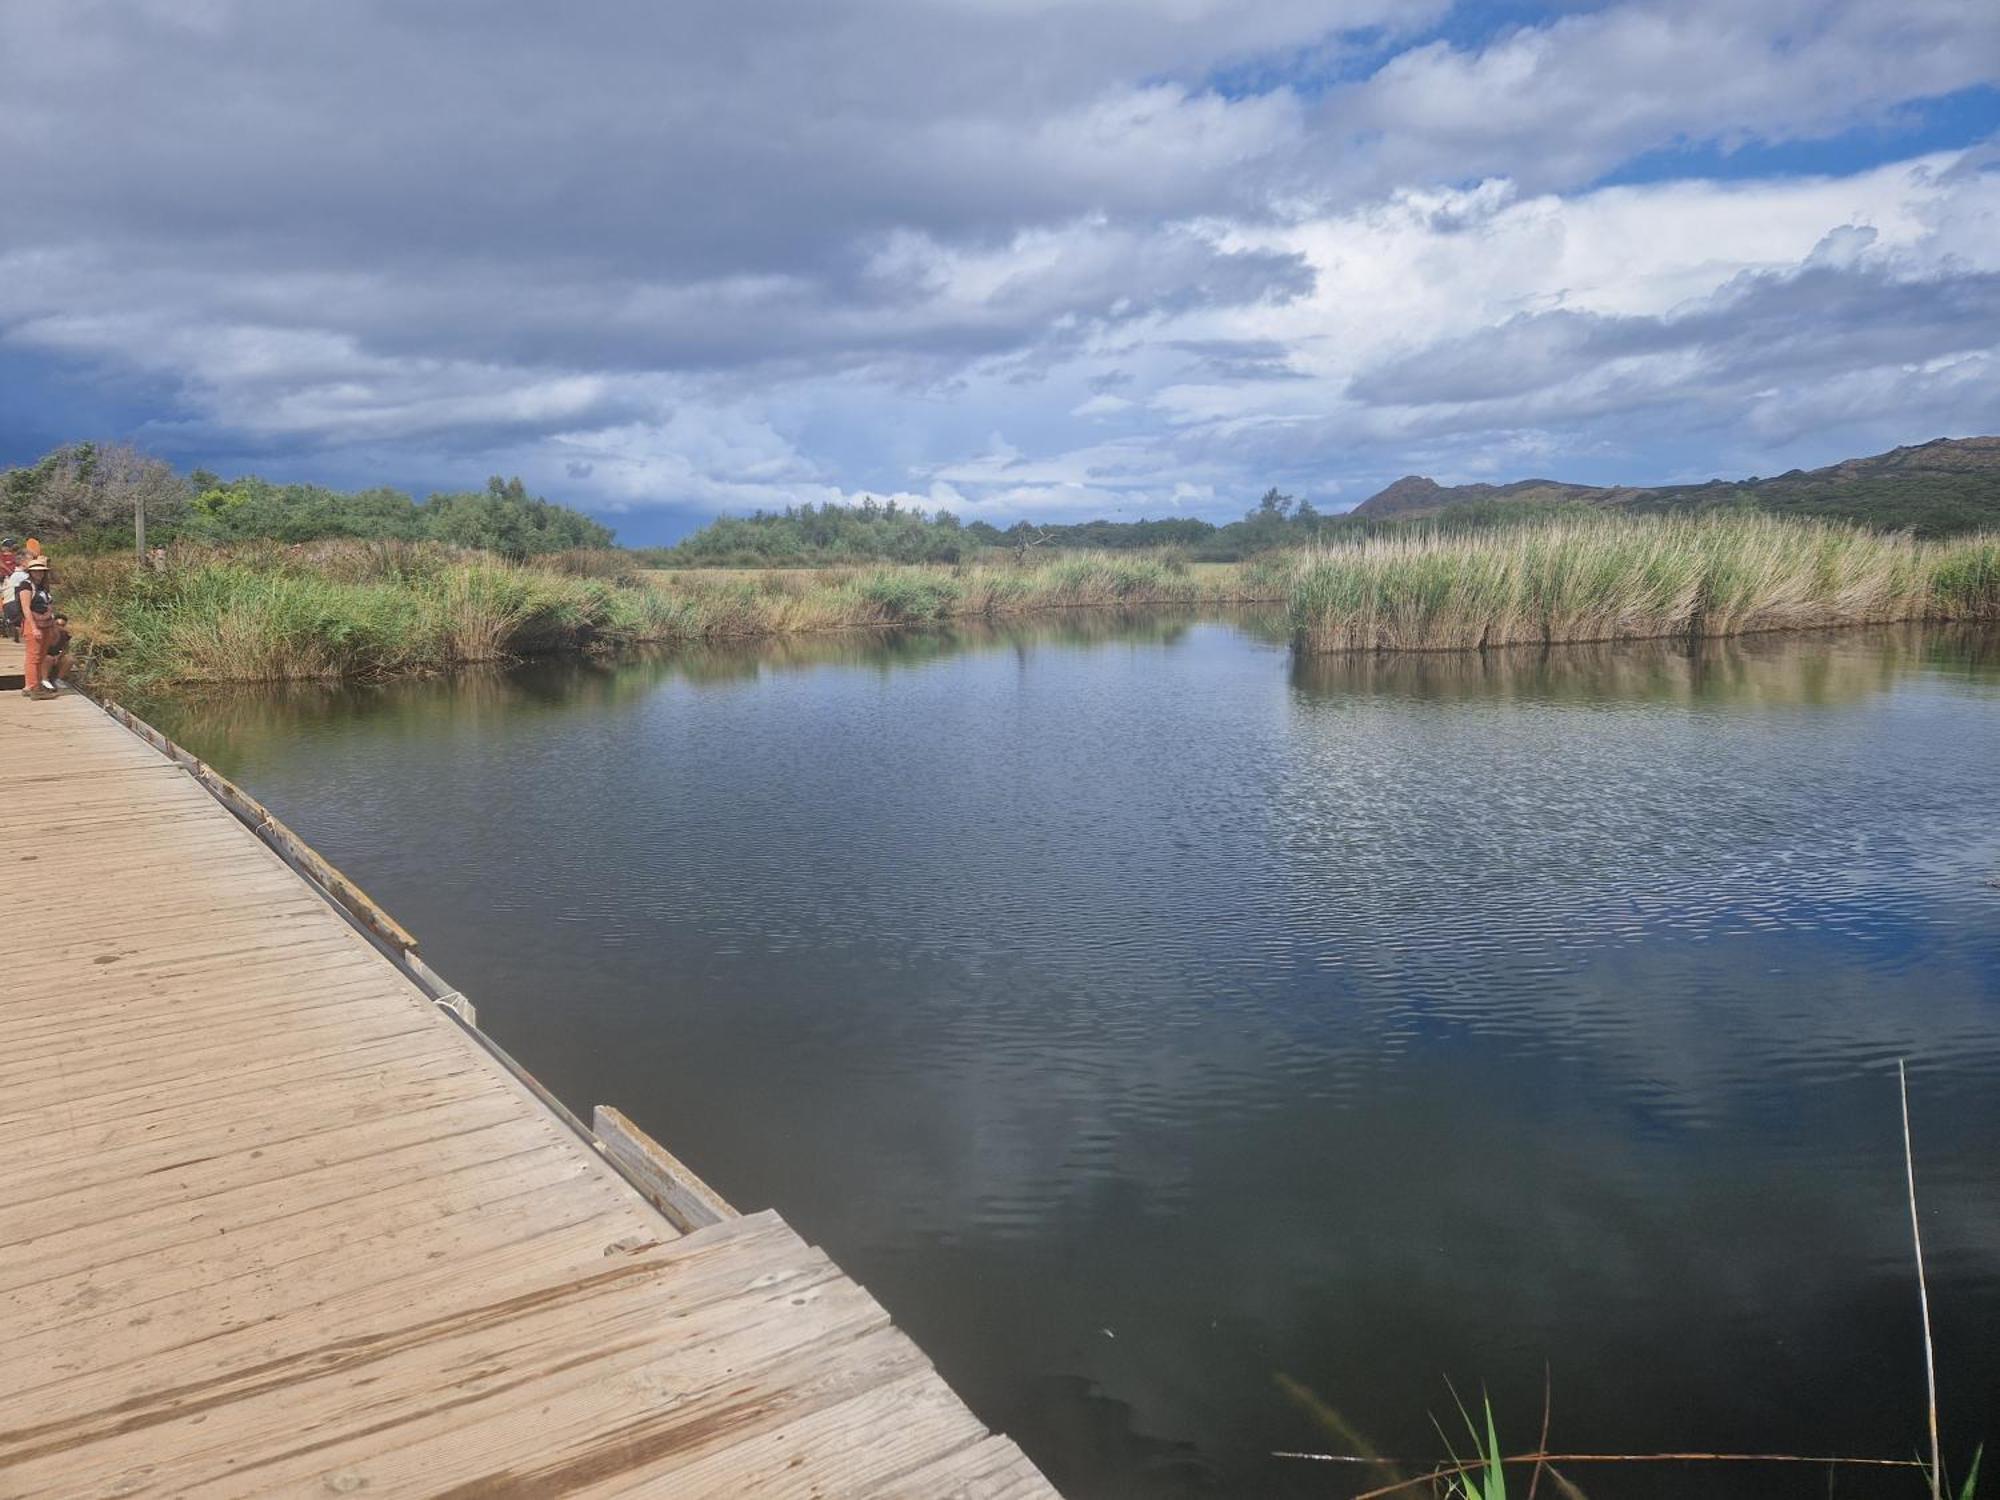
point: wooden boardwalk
(273, 1223)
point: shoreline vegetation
(1568, 581)
(376, 610)
(262, 612)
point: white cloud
(1104, 404)
(1565, 101)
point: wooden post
(687, 1201)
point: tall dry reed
(1629, 578)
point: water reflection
(235, 722)
(1823, 667)
(1144, 1015)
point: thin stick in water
(1923, 1291)
(1548, 1401)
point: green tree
(505, 518)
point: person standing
(33, 595)
(10, 563)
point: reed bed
(265, 612)
(270, 613)
(1634, 578)
(781, 601)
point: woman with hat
(32, 592)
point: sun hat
(35, 562)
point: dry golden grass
(1629, 578)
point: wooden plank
(113, 1236)
(138, 1098)
(94, 1072)
(383, 1361)
(876, 1432)
(142, 1010)
(666, 1180)
(154, 1306)
(117, 1169)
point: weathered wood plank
(994, 1469)
(672, 1186)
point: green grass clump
(268, 615)
(1965, 582)
(1621, 578)
(230, 622)
(901, 597)
(1485, 1478)
(1106, 579)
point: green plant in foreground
(1972, 1475)
(1485, 1478)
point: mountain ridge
(1944, 485)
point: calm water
(1150, 1020)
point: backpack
(38, 601)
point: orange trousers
(34, 641)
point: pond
(1203, 1053)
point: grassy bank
(1622, 579)
(782, 601)
(265, 613)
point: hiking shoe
(42, 692)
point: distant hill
(1414, 495)
(1950, 485)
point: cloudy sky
(1053, 258)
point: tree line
(87, 495)
(874, 531)
(887, 531)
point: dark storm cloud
(629, 187)
(620, 137)
(561, 316)
(1759, 328)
